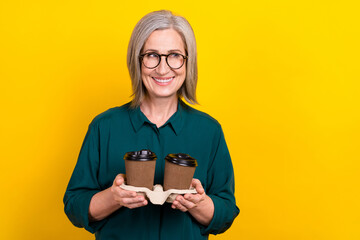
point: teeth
(163, 80)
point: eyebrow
(169, 51)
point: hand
(190, 201)
(126, 198)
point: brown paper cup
(140, 174)
(177, 174)
(140, 168)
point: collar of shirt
(176, 121)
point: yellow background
(282, 77)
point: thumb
(119, 179)
(198, 186)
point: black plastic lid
(142, 155)
(181, 159)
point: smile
(163, 80)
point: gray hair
(160, 20)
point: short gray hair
(160, 20)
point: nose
(163, 67)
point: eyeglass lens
(174, 60)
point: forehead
(164, 40)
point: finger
(119, 179)
(127, 194)
(119, 192)
(177, 205)
(195, 183)
(186, 204)
(195, 198)
(132, 200)
(136, 204)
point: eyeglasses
(173, 60)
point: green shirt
(122, 129)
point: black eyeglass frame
(160, 56)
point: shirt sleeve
(83, 184)
(221, 189)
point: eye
(152, 55)
(175, 55)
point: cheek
(144, 74)
(182, 73)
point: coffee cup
(179, 171)
(140, 168)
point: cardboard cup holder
(158, 196)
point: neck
(159, 110)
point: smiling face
(163, 81)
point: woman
(163, 68)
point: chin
(164, 95)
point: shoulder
(200, 118)
(112, 114)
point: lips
(163, 81)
